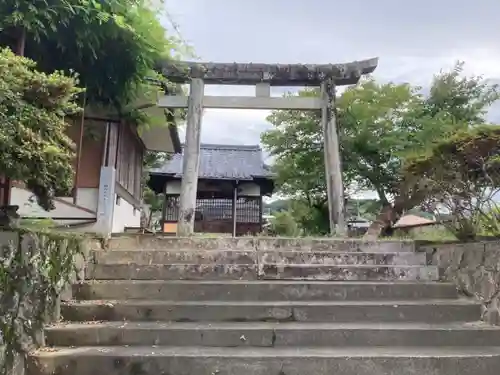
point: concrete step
(149, 257)
(188, 290)
(254, 272)
(193, 256)
(427, 311)
(265, 361)
(272, 334)
(337, 258)
(156, 242)
(172, 272)
(349, 272)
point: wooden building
(106, 197)
(232, 181)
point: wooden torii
(263, 76)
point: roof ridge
(216, 146)
(228, 162)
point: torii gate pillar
(191, 159)
(333, 165)
(262, 76)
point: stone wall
(36, 267)
(474, 268)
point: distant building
(413, 221)
(358, 225)
(415, 224)
(232, 178)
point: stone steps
(150, 257)
(265, 271)
(261, 290)
(152, 242)
(430, 311)
(265, 361)
(265, 306)
(339, 258)
(271, 335)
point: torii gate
(263, 76)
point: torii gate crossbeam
(263, 76)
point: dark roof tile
(230, 162)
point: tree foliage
(462, 180)
(153, 200)
(277, 205)
(113, 45)
(284, 224)
(34, 147)
(380, 125)
(296, 144)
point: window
(129, 161)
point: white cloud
(227, 126)
(413, 40)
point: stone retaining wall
(474, 268)
(18, 252)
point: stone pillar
(191, 159)
(333, 168)
(234, 213)
(106, 201)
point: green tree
(365, 208)
(455, 103)
(153, 200)
(284, 224)
(312, 218)
(34, 147)
(278, 205)
(296, 144)
(379, 126)
(114, 46)
(462, 180)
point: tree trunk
(390, 214)
(385, 219)
(150, 219)
(20, 42)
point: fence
(215, 215)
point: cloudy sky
(413, 39)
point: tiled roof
(229, 162)
(413, 221)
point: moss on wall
(35, 268)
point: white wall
(124, 215)
(174, 187)
(248, 189)
(87, 198)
